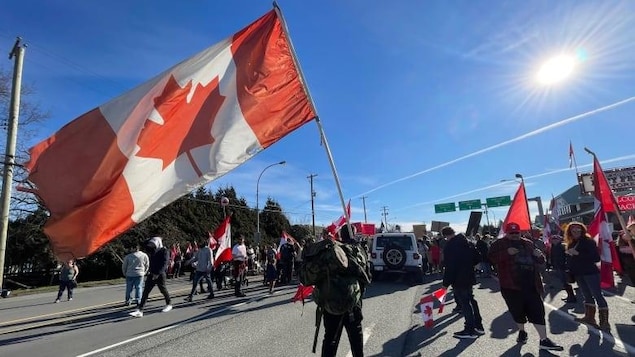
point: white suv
(396, 252)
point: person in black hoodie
(159, 262)
(582, 259)
(559, 265)
(460, 258)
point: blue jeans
(198, 275)
(469, 308)
(136, 283)
(590, 287)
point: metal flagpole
(317, 117)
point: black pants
(525, 306)
(469, 308)
(333, 326)
(149, 285)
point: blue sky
(414, 96)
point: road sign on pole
(444, 207)
(469, 205)
(498, 201)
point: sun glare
(556, 69)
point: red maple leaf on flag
(186, 125)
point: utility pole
(364, 203)
(384, 213)
(310, 177)
(17, 52)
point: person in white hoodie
(159, 262)
(135, 266)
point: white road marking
(606, 336)
(616, 341)
(167, 328)
(367, 332)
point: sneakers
(547, 344)
(479, 330)
(466, 334)
(57, 301)
(210, 296)
(167, 308)
(70, 299)
(188, 299)
(127, 303)
(522, 337)
(136, 313)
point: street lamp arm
(258, 196)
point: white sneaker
(136, 313)
(167, 308)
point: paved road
(95, 323)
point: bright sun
(556, 69)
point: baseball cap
(512, 227)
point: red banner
(626, 203)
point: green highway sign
(468, 205)
(499, 201)
(444, 207)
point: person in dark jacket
(517, 261)
(559, 266)
(460, 258)
(351, 322)
(582, 258)
(159, 262)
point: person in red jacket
(518, 262)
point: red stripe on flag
(271, 93)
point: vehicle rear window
(404, 242)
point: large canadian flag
(124, 160)
(518, 212)
(599, 228)
(223, 235)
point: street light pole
(257, 196)
(310, 177)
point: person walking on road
(68, 280)
(204, 259)
(518, 262)
(159, 262)
(239, 261)
(461, 257)
(135, 266)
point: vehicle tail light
(373, 255)
(416, 256)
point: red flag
(283, 240)
(223, 236)
(440, 295)
(599, 227)
(302, 293)
(124, 160)
(518, 211)
(338, 223)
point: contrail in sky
(621, 158)
(505, 143)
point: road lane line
(170, 327)
(367, 332)
(606, 336)
(79, 309)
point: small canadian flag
(427, 314)
(440, 295)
